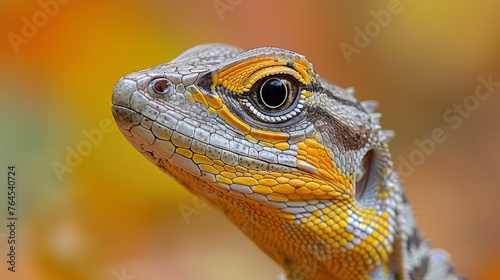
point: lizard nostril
(161, 86)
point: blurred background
(90, 207)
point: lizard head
(259, 133)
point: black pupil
(273, 93)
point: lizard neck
(307, 253)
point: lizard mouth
(126, 117)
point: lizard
(296, 162)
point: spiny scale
(369, 105)
(296, 162)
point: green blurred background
(113, 214)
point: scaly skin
(296, 162)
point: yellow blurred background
(113, 215)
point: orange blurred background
(113, 215)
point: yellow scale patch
(330, 223)
(241, 77)
(328, 184)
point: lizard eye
(160, 86)
(274, 98)
(274, 94)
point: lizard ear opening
(365, 176)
